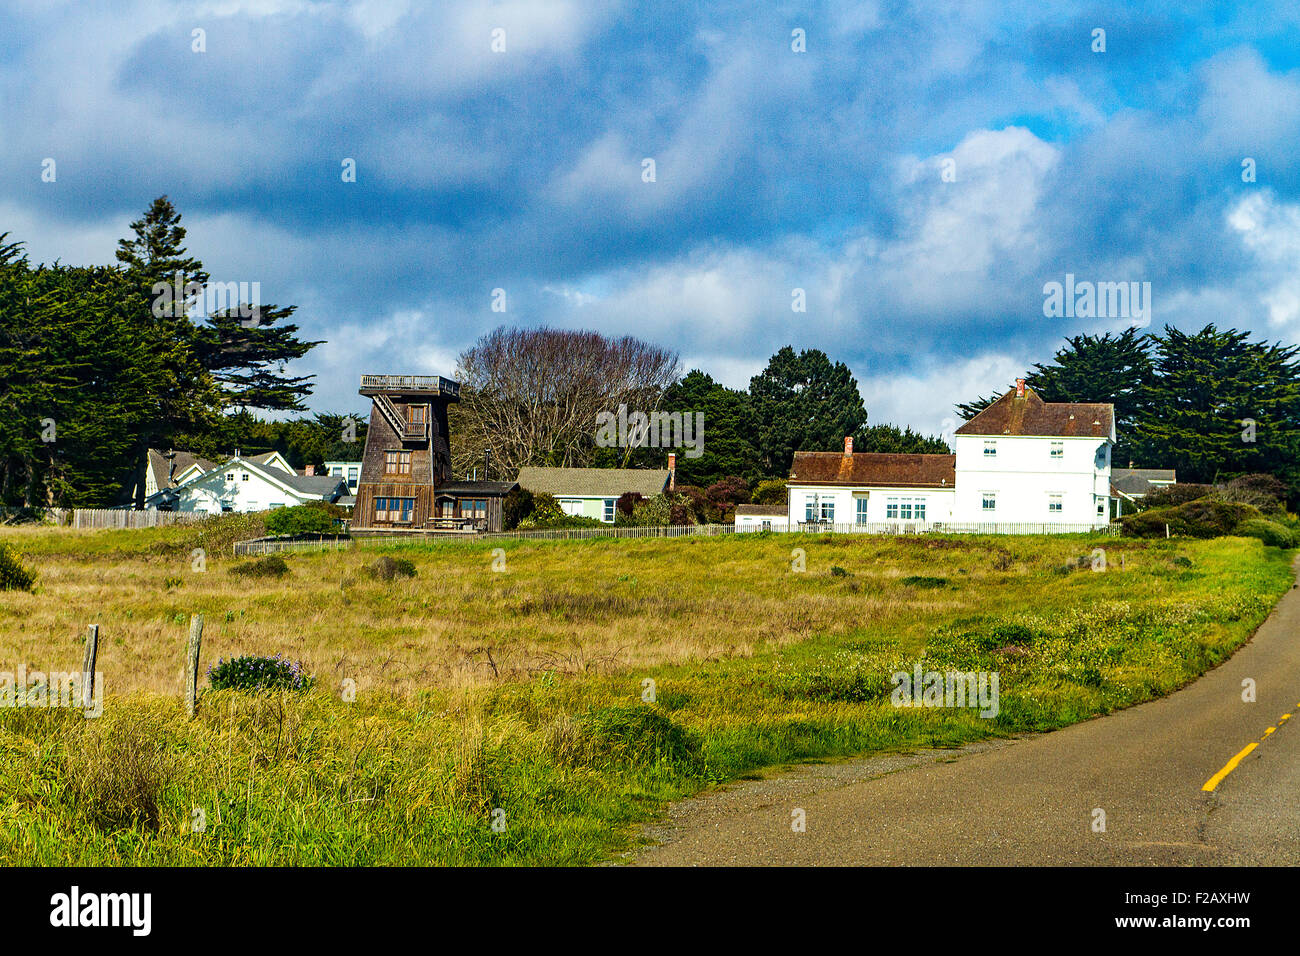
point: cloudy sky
(920, 172)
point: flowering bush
(259, 673)
(14, 575)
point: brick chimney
(309, 470)
(848, 445)
(1020, 388)
(672, 471)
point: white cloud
(1270, 231)
(924, 399)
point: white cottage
(1019, 464)
(257, 483)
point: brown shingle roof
(873, 469)
(764, 510)
(1033, 416)
(161, 467)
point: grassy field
(514, 697)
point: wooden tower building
(406, 482)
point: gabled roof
(273, 459)
(594, 482)
(321, 486)
(1139, 481)
(871, 469)
(184, 460)
(1031, 415)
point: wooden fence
(122, 517)
(274, 545)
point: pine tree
(1221, 405)
(803, 402)
(1107, 368)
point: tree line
(97, 365)
(533, 397)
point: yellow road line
(1267, 732)
(1230, 766)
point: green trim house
(592, 492)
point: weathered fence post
(88, 667)
(192, 664)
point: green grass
(573, 757)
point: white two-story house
(1019, 463)
(255, 483)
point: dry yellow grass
(572, 607)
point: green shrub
(920, 581)
(1169, 496)
(770, 491)
(515, 507)
(638, 734)
(1205, 517)
(1270, 532)
(388, 568)
(1265, 492)
(839, 572)
(300, 519)
(271, 566)
(14, 575)
(259, 673)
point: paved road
(1032, 800)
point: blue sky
(775, 170)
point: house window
(473, 508)
(861, 505)
(230, 476)
(352, 475)
(609, 509)
(990, 449)
(275, 504)
(767, 526)
(990, 501)
(828, 512)
(407, 507)
(417, 414)
(244, 476)
(1054, 504)
(891, 507)
(381, 509)
(1058, 449)
(810, 509)
(905, 509)
(397, 462)
(918, 508)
